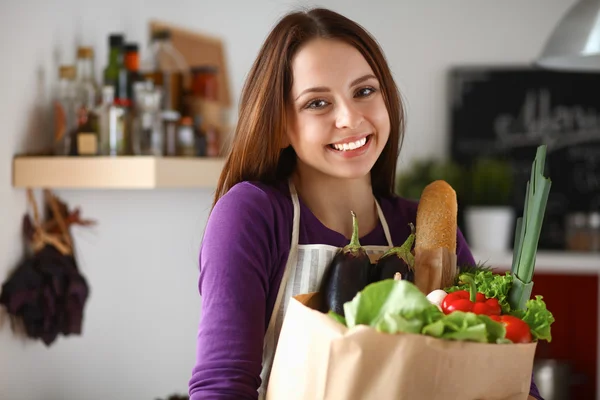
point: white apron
(303, 273)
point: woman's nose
(348, 116)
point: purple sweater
(242, 258)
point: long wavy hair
(256, 152)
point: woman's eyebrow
(322, 89)
(362, 79)
(318, 89)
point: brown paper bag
(434, 269)
(318, 358)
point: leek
(527, 233)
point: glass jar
(166, 67)
(147, 128)
(204, 82)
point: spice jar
(204, 82)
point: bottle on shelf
(147, 129)
(115, 73)
(170, 121)
(166, 68)
(186, 146)
(111, 124)
(132, 65)
(87, 87)
(204, 102)
(65, 110)
(115, 61)
(85, 136)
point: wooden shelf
(559, 262)
(123, 172)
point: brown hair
(256, 152)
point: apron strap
(384, 224)
(291, 261)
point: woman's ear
(285, 141)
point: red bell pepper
(470, 301)
(517, 330)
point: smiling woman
(319, 130)
(339, 124)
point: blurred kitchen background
(83, 79)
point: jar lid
(116, 40)
(131, 47)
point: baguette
(436, 218)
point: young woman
(319, 131)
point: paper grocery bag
(318, 358)
(434, 269)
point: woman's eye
(316, 104)
(365, 92)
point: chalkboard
(508, 112)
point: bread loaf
(436, 218)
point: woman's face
(338, 122)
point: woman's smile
(351, 147)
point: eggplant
(397, 260)
(346, 275)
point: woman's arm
(235, 261)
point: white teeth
(350, 146)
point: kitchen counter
(562, 262)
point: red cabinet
(573, 300)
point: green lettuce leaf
(538, 317)
(381, 302)
(391, 323)
(466, 326)
(392, 306)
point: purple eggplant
(397, 260)
(346, 275)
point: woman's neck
(331, 199)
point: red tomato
(517, 330)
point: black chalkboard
(508, 112)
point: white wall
(140, 322)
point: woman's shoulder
(253, 215)
(256, 207)
(255, 196)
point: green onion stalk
(527, 235)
